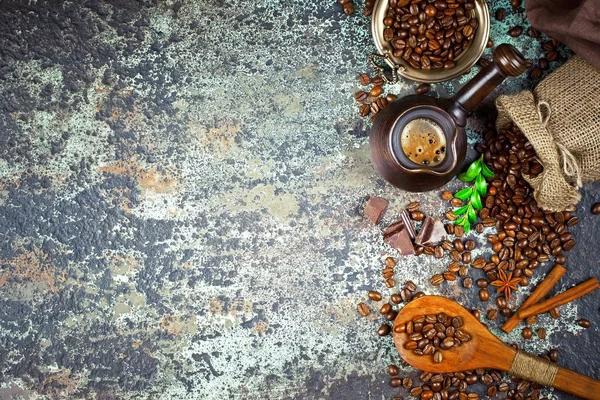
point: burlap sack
(561, 119)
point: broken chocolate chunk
(405, 217)
(401, 241)
(393, 228)
(432, 232)
(374, 209)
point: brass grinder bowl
(464, 61)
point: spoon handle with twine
(544, 372)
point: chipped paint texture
(181, 186)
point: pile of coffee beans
(460, 254)
(456, 386)
(430, 334)
(430, 34)
(372, 99)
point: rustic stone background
(181, 188)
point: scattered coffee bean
(364, 79)
(392, 370)
(363, 309)
(527, 333)
(554, 313)
(492, 314)
(417, 216)
(484, 295)
(584, 323)
(374, 295)
(531, 320)
(501, 14)
(383, 330)
(596, 208)
(377, 81)
(541, 332)
(385, 309)
(467, 282)
(446, 195)
(553, 354)
(533, 33)
(516, 31)
(423, 88)
(375, 91)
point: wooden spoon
(485, 350)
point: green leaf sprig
(467, 214)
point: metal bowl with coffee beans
(431, 40)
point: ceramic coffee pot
(418, 142)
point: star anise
(506, 283)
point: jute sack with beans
(561, 119)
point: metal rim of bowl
(463, 62)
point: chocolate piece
(400, 240)
(393, 228)
(432, 232)
(405, 217)
(374, 209)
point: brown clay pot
(450, 115)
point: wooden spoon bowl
(484, 350)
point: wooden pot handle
(544, 372)
(577, 384)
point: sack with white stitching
(561, 119)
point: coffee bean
(501, 14)
(377, 81)
(553, 355)
(383, 330)
(363, 309)
(467, 282)
(437, 357)
(551, 56)
(584, 323)
(481, 283)
(423, 87)
(449, 276)
(596, 208)
(375, 296)
(364, 110)
(476, 314)
(391, 316)
(417, 216)
(554, 313)
(364, 79)
(541, 332)
(410, 285)
(526, 333)
(407, 383)
(531, 320)
(393, 371)
(484, 295)
(360, 96)
(492, 391)
(385, 309)
(532, 32)
(400, 328)
(439, 252)
(376, 91)
(535, 73)
(390, 97)
(456, 202)
(446, 195)
(492, 314)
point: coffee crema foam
(423, 141)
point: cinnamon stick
(540, 291)
(560, 299)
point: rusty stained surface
(181, 192)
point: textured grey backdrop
(181, 188)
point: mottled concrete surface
(181, 186)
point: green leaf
(472, 215)
(476, 201)
(481, 185)
(473, 170)
(461, 210)
(467, 228)
(463, 177)
(486, 171)
(461, 220)
(464, 193)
